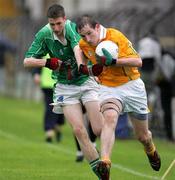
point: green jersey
(46, 42)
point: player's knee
(78, 130)
(110, 117)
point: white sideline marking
(63, 149)
(168, 170)
(118, 166)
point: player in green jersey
(60, 40)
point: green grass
(25, 156)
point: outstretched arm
(51, 63)
(79, 56)
(33, 62)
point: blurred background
(21, 19)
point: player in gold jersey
(121, 88)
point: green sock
(93, 165)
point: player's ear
(97, 27)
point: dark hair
(86, 20)
(55, 11)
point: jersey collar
(57, 39)
(103, 32)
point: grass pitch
(25, 156)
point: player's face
(57, 25)
(90, 35)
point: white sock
(79, 153)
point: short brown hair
(84, 20)
(55, 11)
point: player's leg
(74, 115)
(111, 109)
(98, 125)
(92, 136)
(90, 100)
(58, 126)
(49, 116)
(95, 116)
(66, 99)
(97, 121)
(79, 153)
(140, 125)
(139, 117)
(52, 122)
(87, 123)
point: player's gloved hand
(94, 70)
(107, 59)
(53, 63)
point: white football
(110, 46)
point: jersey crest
(90, 53)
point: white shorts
(72, 94)
(132, 96)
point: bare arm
(79, 55)
(33, 62)
(135, 62)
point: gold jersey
(113, 75)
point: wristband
(52, 63)
(114, 61)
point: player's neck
(61, 38)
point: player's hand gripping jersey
(114, 75)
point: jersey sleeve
(38, 47)
(125, 46)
